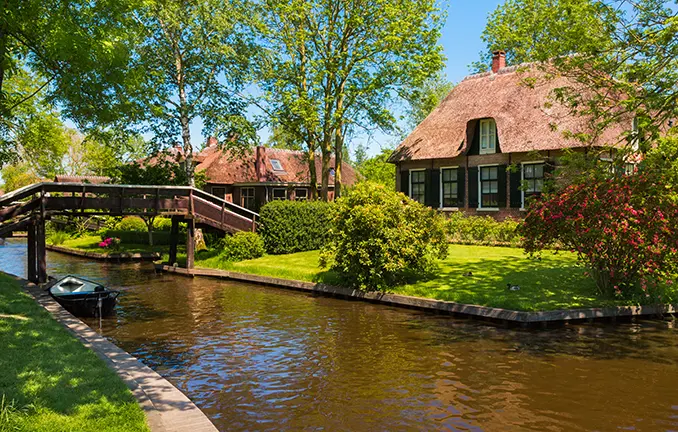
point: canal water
(256, 358)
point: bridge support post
(174, 240)
(190, 244)
(41, 251)
(32, 256)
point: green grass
(90, 243)
(49, 380)
(554, 282)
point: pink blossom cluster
(108, 242)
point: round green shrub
(131, 223)
(162, 224)
(294, 226)
(380, 238)
(242, 246)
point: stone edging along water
(440, 306)
(116, 256)
(167, 409)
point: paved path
(167, 409)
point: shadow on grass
(44, 366)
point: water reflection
(257, 358)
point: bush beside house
(294, 226)
(380, 238)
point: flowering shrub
(379, 238)
(623, 228)
(110, 243)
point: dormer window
(277, 166)
(488, 136)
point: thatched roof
(520, 100)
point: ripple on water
(257, 358)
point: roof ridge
(502, 71)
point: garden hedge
(295, 226)
(160, 238)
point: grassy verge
(49, 380)
(554, 282)
(90, 243)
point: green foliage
(426, 98)
(58, 237)
(539, 30)
(17, 176)
(294, 226)
(162, 168)
(162, 224)
(482, 230)
(380, 238)
(131, 223)
(241, 246)
(376, 169)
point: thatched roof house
(457, 158)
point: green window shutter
(514, 185)
(501, 185)
(461, 187)
(473, 187)
(405, 182)
(433, 188)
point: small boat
(84, 298)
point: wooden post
(174, 240)
(31, 259)
(41, 251)
(190, 244)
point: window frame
(480, 187)
(243, 197)
(276, 161)
(522, 179)
(296, 196)
(409, 194)
(273, 198)
(493, 128)
(442, 195)
(213, 188)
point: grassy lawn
(554, 282)
(90, 243)
(49, 380)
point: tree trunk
(338, 157)
(313, 175)
(149, 225)
(3, 54)
(325, 186)
(188, 151)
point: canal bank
(498, 315)
(165, 407)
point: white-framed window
(279, 194)
(247, 198)
(488, 187)
(449, 187)
(532, 179)
(300, 194)
(488, 136)
(276, 165)
(418, 185)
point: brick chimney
(498, 60)
(212, 142)
(260, 163)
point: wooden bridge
(28, 208)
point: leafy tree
(17, 176)
(377, 169)
(335, 67)
(193, 57)
(282, 139)
(539, 30)
(426, 98)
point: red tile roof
(224, 167)
(524, 122)
(81, 179)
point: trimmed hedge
(295, 226)
(160, 238)
(482, 230)
(131, 223)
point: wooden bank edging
(475, 311)
(116, 256)
(167, 409)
